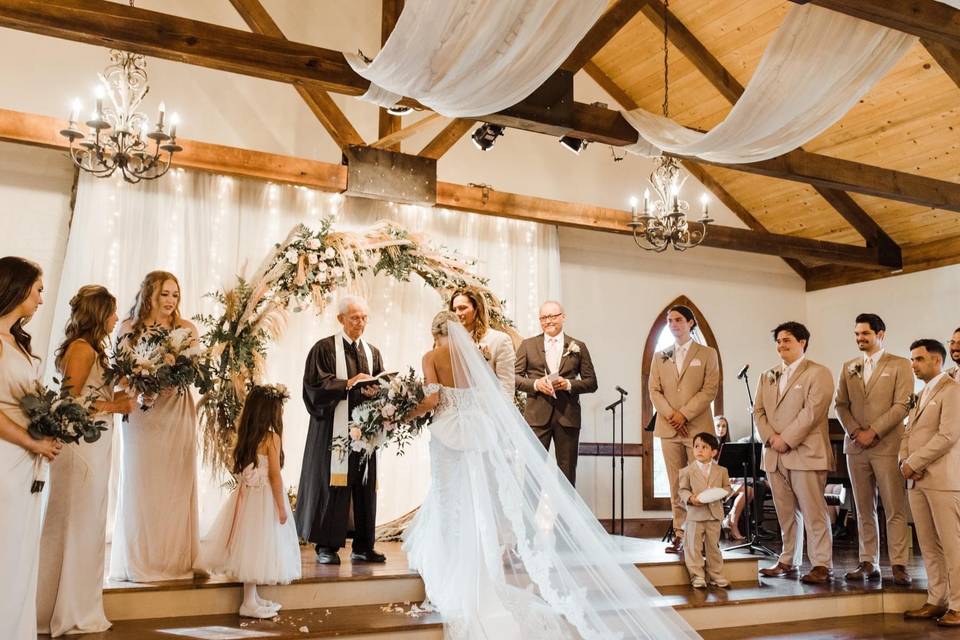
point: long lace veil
(551, 546)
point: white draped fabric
(952, 3)
(815, 69)
(206, 228)
(465, 58)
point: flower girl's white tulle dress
(247, 541)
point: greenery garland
(304, 271)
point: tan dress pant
(677, 453)
(936, 515)
(798, 497)
(700, 535)
(870, 475)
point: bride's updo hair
(439, 325)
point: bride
(505, 546)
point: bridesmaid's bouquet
(59, 415)
(382, 420)
(161, 359)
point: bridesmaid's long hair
(143, 303)
(262, 413)
(482, 321)
(90, 309)
(17, 277)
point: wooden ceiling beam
(606, 27)
(393, 139)
(947, 58)
(321, 104)
(728, 86)
(42, 131)
(387, 123)
(447, 137)
(926, 19)
(114, 25)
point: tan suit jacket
(930, 441)
(799, 416)
(690, 392)
(880, 405)
(502, 359)
(692, 483)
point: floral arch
(305, 271)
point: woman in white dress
(21, 292)
(496, 346)
(156, 533)
(506, 547)
(73, 544)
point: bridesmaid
(70, 595)
(497, 347)
(21, 292)
(156, 537)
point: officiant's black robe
(322, 511)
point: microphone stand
(753, 543)
(612, 408)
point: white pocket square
(932, 403)
(798, 387)
(696, 363)
(884, 375)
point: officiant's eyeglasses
(555, 316)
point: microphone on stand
(743, 372)
(620, 389)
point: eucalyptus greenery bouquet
(159, 359)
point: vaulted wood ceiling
(880, 188)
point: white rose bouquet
(160, 359)
(381, 420)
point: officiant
(333, 384)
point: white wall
(613, 291)
(914, 305)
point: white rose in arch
(313, 243)
(292, 256)
(312, 258)
(330, 253)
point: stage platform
(379, 601)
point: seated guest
(721, 429)
(791, 415)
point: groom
(328, 485)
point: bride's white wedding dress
(505, 546)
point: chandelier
(119, 136)
(665, 223)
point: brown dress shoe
(780, 570)
(950, 619)
(676, 546)
(817, 575)
(864, 570)
(926, 612)
(900, 576)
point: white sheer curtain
(466, 58)
(815, 69)
(206, 228)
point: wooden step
(370, 622)
(886, 626)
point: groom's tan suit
(691, 391)
(930, 446)
(797, 478)
(880, 404)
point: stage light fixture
(486, 135)
(574, 145)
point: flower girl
(254, 539)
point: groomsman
(954, 371)
(873, 394)
(929, 459)
(684, 380)
(332, 487)
(793, 399)
(553, 369)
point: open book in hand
(386, 375)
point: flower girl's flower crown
(275, 392)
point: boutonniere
(572, 348)
(773, 376)
(912, 401)
(856, 370)
(667, 355)
(485, 351)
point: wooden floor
(846, 628)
